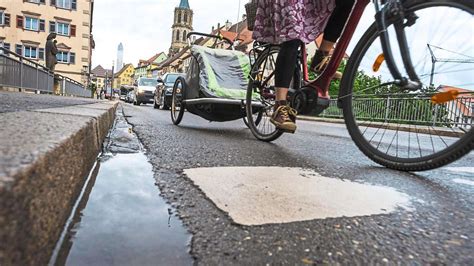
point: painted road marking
(265, 195)
(463, 181)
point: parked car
(130, 97)
(124, 90)
(164, 90)
(143, 91)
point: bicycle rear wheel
(261, 89)
(407, 130)
(177, 98)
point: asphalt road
(437, 229)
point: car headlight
(170, 89)
(178, 90)
(141, 91)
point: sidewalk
(48, 146)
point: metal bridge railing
(19, 72)
(405, 110)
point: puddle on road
(121, 219)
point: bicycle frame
(393, 9)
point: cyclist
(332, 32)
(288, 23)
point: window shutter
(52, 26)
(41, 54)
(19, 49)
(6, 46)
(74, 4)
(53, 2)
(72, 58)
(42, 25)
(7, 19)
(73, 30)
(19, 21)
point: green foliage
(92, 87)
(372, 102)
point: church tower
(182, 25)
(119, 57)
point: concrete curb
(46, 157)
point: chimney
(212, 28)
(228, 25)
(219, 26)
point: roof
(150, 61)
(99, 71)
(175, 58)
(449, 88)
(122, 70)
(228, 34)
(184, 4)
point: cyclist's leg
(284, 117)
(332, 32)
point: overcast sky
(144, 26)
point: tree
(92, 87)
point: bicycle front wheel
(410, 131)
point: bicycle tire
(177, 116)
(449, 154)
(253, 126)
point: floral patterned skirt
(278, 21)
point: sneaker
(284, 118)
(320, 62)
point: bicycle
(394, 136)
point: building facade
(25, 25)
(99, 76)
(182, 25)
(144, 68)
(125, 76)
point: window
(4, 18)
(177, 35)
(37, 1)
(147, 82)
(30, 52)
(171, 78)
(185, 17)
(5, 45)
(65, 57)
(62, 57)
(31, 23)
(66, 4)
(62, 29)
(184, 36)
(179, 17)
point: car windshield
(171, 78)
(147, 82)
